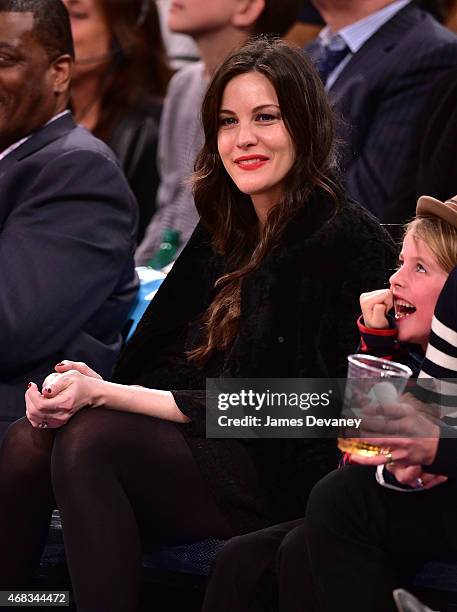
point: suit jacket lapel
(39, 139)
(382, 42)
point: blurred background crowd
(142, 68)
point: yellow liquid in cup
(358, 447)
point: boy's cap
(426, 205)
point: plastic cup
(371, 382)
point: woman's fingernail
(59, 364)
(48, 389)
(29, 385)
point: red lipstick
(251, 162)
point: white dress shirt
(17, 144)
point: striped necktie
(331, 55)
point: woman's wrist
(98, 392)
(135, 398)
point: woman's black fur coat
(298, 319)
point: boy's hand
(375, 306)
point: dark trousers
(263, 571)
(364, 540)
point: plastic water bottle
(167, 250)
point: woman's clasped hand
(71, 387)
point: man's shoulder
(414, 34)
(73, 157)
(429, 35)
(80, 141)
(411, 44)
(58, 139)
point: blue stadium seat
(193, 558)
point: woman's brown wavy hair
(227, 212)
(139, 68)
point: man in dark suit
(379, 59)
(67, 216)
(437, 172)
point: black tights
(122, 482)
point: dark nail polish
(48, 389)
(29, 385)
(59, 364)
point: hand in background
(413, 474)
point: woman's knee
(26, 449)
(18, 435)
(81, 447)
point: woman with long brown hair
(120, 79)
(267, 287)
